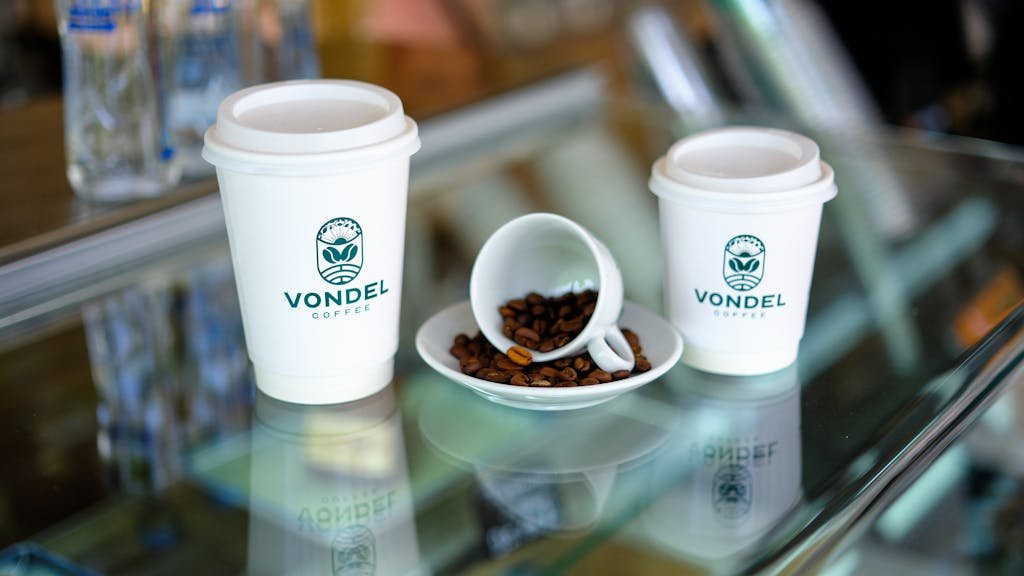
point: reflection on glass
(538, 473)
(169, 365)
(738, 441)
(329, 489)
(130, 339)
(216, 380)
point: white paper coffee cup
(314, 180)
(740, 210)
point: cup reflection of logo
(339, 250)
(353, 552)
(732, 491)
(743, 266)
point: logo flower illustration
(339, 244)
(743, 266)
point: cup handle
(610, 350)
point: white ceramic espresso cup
(314, 178)
(551, 255)
(740, 210)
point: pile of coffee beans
(548, 321)
(543, 324)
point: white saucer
(662, 347)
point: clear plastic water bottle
(200, 40)
(295, 51)
(112, 119)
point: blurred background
(946, 65)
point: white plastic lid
(744, 169)
(309, 126)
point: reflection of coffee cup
(314, 179)
(740, 210)
(529, 457)
(572, 500)
(329, 489)
(734, 465)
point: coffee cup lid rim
(308, 126)
(744, 169)
(818, 192)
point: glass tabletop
(137, 443)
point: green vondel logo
(732, 491)
(743, 264)
(353, 552)
(339, 250)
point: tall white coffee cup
(740, 210)
(314, 179)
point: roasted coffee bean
(564, 310)
(475, 347)
(568, 374)
(642, 363)
(620, 374)
(541, 383)
(494, 375)
(520, 355)
(462, 339)
(581, 364)
(589, 381)
(519, 379)
(562, 340)
(566, 384)
(526, 337)
(506, 312)
(539, 310)
(471, 366)
(573, 325)
(548, 372)
(519, 305)
(540, 326)
(546, 346)
(459, 350)
(506, 364)
(562, 363)
(588, 309)
(534, 298)
(601, 376)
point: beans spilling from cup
(542, 324)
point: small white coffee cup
(314, 179)
(740, 210)
(551, 255)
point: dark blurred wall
(950, 65)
